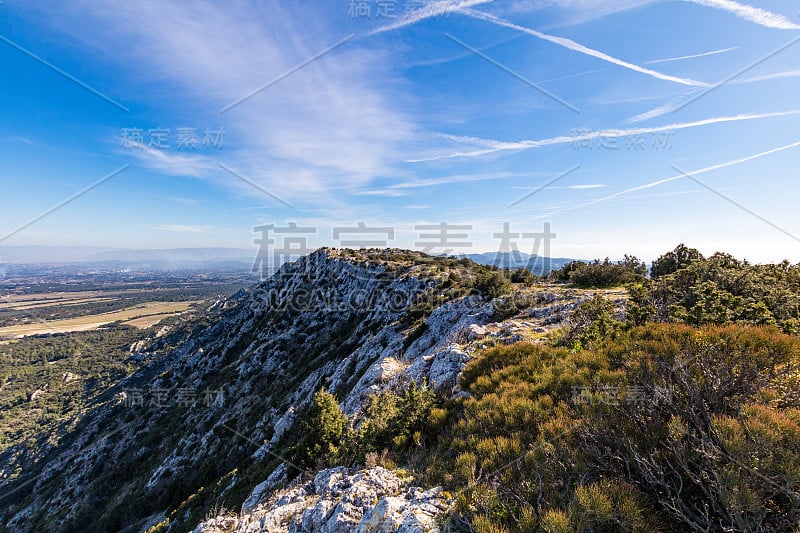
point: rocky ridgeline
(333, 319)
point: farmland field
(147, 314)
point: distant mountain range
(88, 254)
(516, 259)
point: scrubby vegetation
(45, 379)
(601, 274)
(718, 290)
(391, 420)
(591, 322)
(662, 427)
(492, 283)
(665, 427)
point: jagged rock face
(321, 321)
(337, 501)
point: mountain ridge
(263, 354)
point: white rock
(337, 501)
(386, 516)
(264, 488)
(445, 369)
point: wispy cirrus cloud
(490, 146)
(386, 193)
(692, 56)
(458, 57)
(447, 180)
(577, 187)
(651, 62)
(406, 188)
(767, 77)
(679, 101)
(171, 163)
(334, 123)
(569, 12)
(186, 201)
(757, 15)
(433, 8)
(577, 47)
(673, 105)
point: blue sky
(413, 112)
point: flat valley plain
(41, 300)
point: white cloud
(387, 193)
(186, 201)
(678, 102)
(172, 163)
(766, 77)
(570, 12)
(750, 13)
(681, 58)
(498, 146)
(577, 47)
(669, 107)
(567, 188)
(570, 76)
(447, 180)
(463, 55)
(587, 186)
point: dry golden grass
(47, 299)
(89, 322)
(147, 321)
(35, 304)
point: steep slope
(201, 427)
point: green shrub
(321, 431)
(601, 274)
(719, 290)
(523, 276)
(673, 261)
(591, 322)
(492, 283)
